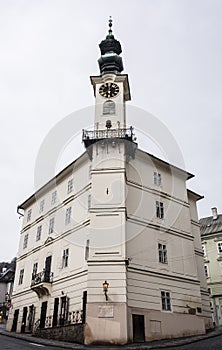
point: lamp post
(105, 289)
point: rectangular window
(29, 215)
(68, 215)
(159, 210)
(157, 179)
(38, 233)
(54, 197)
(34, 270)
(21, 276)
(41, 206)
(87, 250)
(204, 249)
(65, 257)
(70, 186)
(166, 302)
(219, 247)
(162, 249)
(206, 271)
(51, 225)
(25, 242)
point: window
(34, 270)
(159, 210)
(38, 233)
(219, 247)
(68, 215)
(157, 179)
(70, 186)
(21, 276)
(51, 225)
(41, 206)
(54, 197)
(25, 242)
(162, 253)
(206, 270)
(29, 215)
(65, 257)
(109, 107)
(204, 249)
(165, 299)
(87, 250)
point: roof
(210, 226)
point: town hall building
(110, 248)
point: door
(48, 261)
(138, 328)
(43, 314)
(24, 317)
(55, 312)
(15, 320)
(31, 317)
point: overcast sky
(172, 51)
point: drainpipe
(18, 212)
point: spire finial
(110, 25)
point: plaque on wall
(106, 311)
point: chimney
(214, 213)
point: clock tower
(110, 145)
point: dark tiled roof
(209, 226)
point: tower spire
(110, 61)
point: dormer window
(109, 107)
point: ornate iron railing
(73, 317)
(96, 135)
(43, 276)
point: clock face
(108, 90)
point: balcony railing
(91, 136)
(73, 317)
(42, 277)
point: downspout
(18, 212)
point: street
(207, 344)
(10, 343)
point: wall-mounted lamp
(105, 289)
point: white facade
(118, 215)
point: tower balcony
(42, 283)
(107, 136)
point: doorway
(24, 317)
(43, 314)
(138, 328)
(55, 312)
(15, 320)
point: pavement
(158, 344)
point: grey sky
(48, 49)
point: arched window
(109, 107)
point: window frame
(206, 271)
(25, 241)
(38, 233)
(219, 247)
(68, 215)
(162, 253)
(166, 300)
(21, 277)
(109, 107)
(41, 205)
(65, 258)
(29, 215)
(54, 197)
(70, 185)
(51, 225)
(157, 178)
(159, 210)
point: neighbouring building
(110, 248)
(211, 236)
(7, 274)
